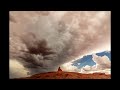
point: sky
(97, 62)
(87, 60)
(41, 41)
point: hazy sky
(41, 41)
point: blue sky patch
(87, 60)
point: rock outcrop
(59, 69)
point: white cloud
(106, 71)
(103, 65)
(102, 62)
(69, 67)
(86, 68)
(17, 69)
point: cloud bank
(103, 65)
(43, 40)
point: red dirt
(67, 75)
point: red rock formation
(59, 69)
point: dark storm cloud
(37, 51)
(43, 43)
(37, 46)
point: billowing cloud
(103, 65)
(43, 40)
(102, 62)
(17, 69)
(69, 67)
